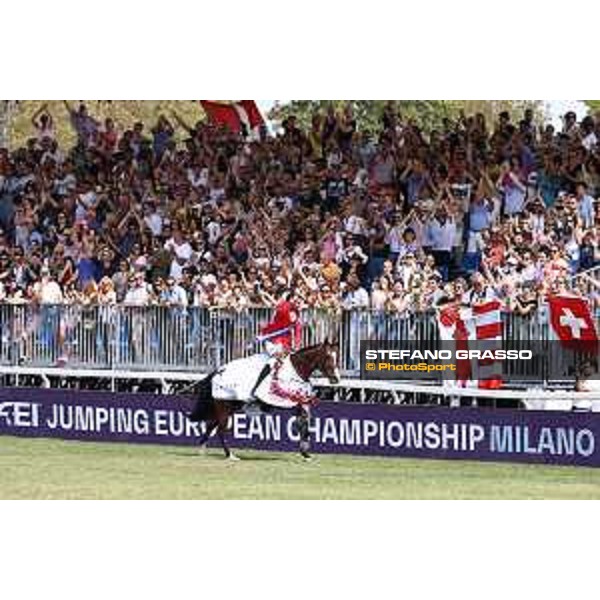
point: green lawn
(34, 468)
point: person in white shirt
(350, 252)
(395, 236)
(406, 267)
(176, 299)
(589, 140)
(280, 205)
(355, 225)
(356, 298)
(49, 295)
(153, 220)
(213, 231)
(198, 176)
(442, 232)
(138, 294)
(178, 245)
(47, 290)
(181, 251)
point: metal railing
(158, 338)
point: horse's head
(328, 363)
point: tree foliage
(428, 114)
(491, 108)
(368, 112)
(593, 105)
(124, 113)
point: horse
(216, 412)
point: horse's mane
(309, 348)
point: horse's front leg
(223, 413)
(303, 424)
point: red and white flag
(480, 323)
(488, 329)
(572, 322)
(237, 116)
(456, 328)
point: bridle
(305, 367)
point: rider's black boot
(263, 374)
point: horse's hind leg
(303, 424)
(223, 413)
(228, 453)
(210, 427)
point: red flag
(237, 116)
(221, 114)
(572, 322)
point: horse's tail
(204, 409)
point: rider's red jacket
(286, 320)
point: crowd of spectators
(392, 219)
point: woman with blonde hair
(107, 298)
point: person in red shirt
(284, 331)
(281, 336)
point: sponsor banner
(361, 429)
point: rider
(281, 336)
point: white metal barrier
(159, 338)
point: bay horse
(215, 413)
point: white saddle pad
(236, 380)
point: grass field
(55, 469)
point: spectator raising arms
(178, 214)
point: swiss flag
(237, 116)
(572, 322)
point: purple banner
(361, 429)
